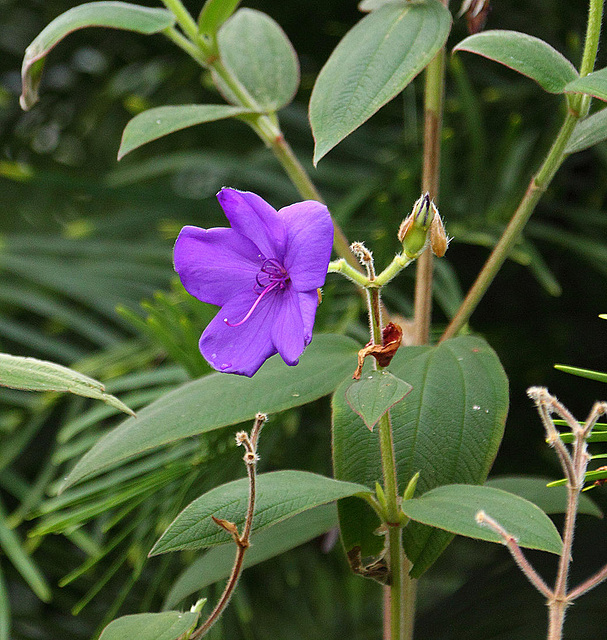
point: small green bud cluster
(423, 224)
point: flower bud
(413, 232)
(439, 240)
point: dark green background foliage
(81, 235)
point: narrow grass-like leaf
(216, 564)
(254, 47)
(599, 376)
(31, 374)
(454, 508)
(588, 132)
(525, 54)
(594, 84)
(160, 121)
(116, 15)
(374, 394)
(219, 400)
(5, 610)
(280, 495)
(167, 625)
(548, 499)
(372, 63)
(14, 551)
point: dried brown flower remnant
(383, 353)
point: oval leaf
(588, 132)
(168, 625)
(116, 15)
(31, 374)
(594, 84)
(258, 52)
(155, 123)
(372, 63)
(454, 508)
(374, 394)
(216, 564)
(526, 54)
(280, 495)
(448, 428)
(548, 499)
(219, 400)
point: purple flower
(263, 273)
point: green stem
(266, 127)
(515, 227)
(396, 555)
(539, 183)
(433, 110)
(184, 19)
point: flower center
(271, 277)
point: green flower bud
(413, 232)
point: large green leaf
(258, 52)
(548, 499)
(216, 564)
(374, 61)
(588, 132)
(168, 625)
(280, 495)
(116, 15)
(155, 123)
(219, 400)
(454, 508)
(448, 428)
(31, 374)
(594, 84)
(526, 54)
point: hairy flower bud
(413, 232)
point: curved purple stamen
(254, 306)
(274, 276)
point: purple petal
(288, 329)
(241, 349)
(309, 241)
(215, 264)
(308, 303)
(254, 218)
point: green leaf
(599, 376)
(372, 5)
(548, 499)
(526, 54)
(116, 15)
(220, 399)
(5, 610)
(454, 508)
(373, 62)
(214, 14)
(155, 123)
(280, 495)
(168, 625)
(258, 52)
(448, 428)
(12, 548)
(216, 564)
(588, 132)
(374, 394)
(594, 84)
(31, 374)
